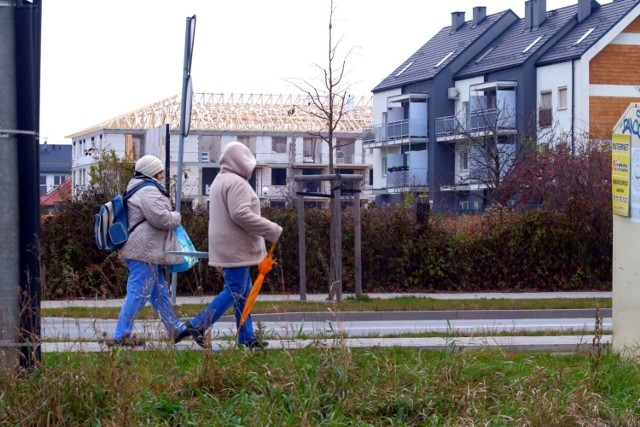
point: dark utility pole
(9, 214)
(27, 62)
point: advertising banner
(620, 173)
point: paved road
(359, 329)
(56, 328)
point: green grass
(367, 304)
(324, 387)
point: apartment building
(453, 118)
(285, 139)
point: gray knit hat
(149, 165)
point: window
(279, 144)
(345, 150)
(309, 148)
(404, 69)
(544, 115)
(562, 98)
(464, 160)
(533, 43)
(204, 156)
(278, 176)
(384, 167)
(545, 100)
(249, 141)
(43, 185)
(443, 60)
(484, 55)
(584, 36)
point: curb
(568, 344)
(426, 315)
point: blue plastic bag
(184, 245)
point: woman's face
(159, 176)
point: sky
(104, 58)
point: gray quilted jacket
(151, 240)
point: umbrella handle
(272, 250)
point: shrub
(500, 250)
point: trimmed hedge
(499, 250)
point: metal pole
(183, 121)
(167, 156)
(9, 199)
(27, 51)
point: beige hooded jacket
(151, 240)
(236, 229)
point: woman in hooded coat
(237, 234)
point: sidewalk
(80, 334)
(205, 299)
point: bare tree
(327, 94)
(489, 149)
(328, 101)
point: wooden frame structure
(336, 181)
(239, 112)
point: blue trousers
(237, 285)
(146, 283)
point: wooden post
(302, 250)
(422, 213)
(357, 245)
(337, 232)
(335, 274)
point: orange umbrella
(264, 267)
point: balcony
(396, 133)
(405, 178)
(478, 122)
(448, 125)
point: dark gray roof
(507, 49)
(423, 62)
(602, 19)
(55, 158)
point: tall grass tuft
(323, 385)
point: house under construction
(284, 132)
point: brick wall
(616, 64)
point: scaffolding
(241, 112)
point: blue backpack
(111, 223)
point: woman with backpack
(151, 222)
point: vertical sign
(620, 173)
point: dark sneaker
(179, 336)
(195, 333)
(255, 344)
(125, 341)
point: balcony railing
(482, 120)
(478, 121)
(406, 177)
(404, 129)
(449, 125)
